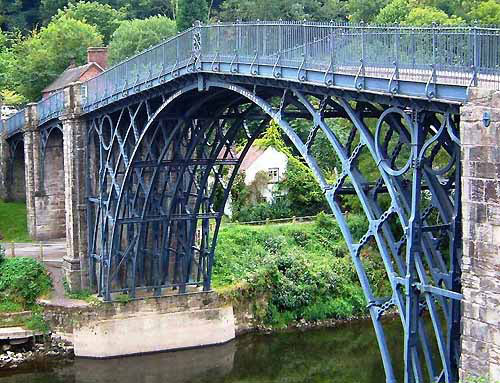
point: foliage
(7, 306)
(486, 13)
(394, 12)
(37, 322)
(122, 298)
(102, 16)
(23, 280)
(362, 10)
(141, 9)
(10, 97)
(282, 9)
(13, 222)
(190, 11)
(278, 208)
(2, 254)
(133, 36)
(303, 269)
(42, 57)
(302, 190)
(421, 16)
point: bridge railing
(462, 55)
(50, 107)
(124, 78)
(15, 123)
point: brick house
(97, 62)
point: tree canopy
(40, 58)
(133, 36)
(190, 11)
(102, 16)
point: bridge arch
(16, 186)
(164, 162)
(50, 196)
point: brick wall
(481, 236)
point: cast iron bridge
(160, 132)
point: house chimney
(98, 55)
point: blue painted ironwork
(15, 123)
(157, 164)
(161, 164)
(50, 107)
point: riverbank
(40, 349)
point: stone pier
(142, 326)
(480, 137)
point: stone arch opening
(50, 199)
(16, 188)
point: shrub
(23, 280)
(303, 269)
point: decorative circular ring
(105, 145)
(384, 161)
(443, 130)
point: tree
(19, 14)
(42, 57)
(394, 12)
(487, 13)
(362, 10)
(49, 8)
(141, 9)
(10, 97)
(317, 10)
(133, 36)
(190, 11)
(427, 15)
(102, 16)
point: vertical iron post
(414, 240)
(476, 55)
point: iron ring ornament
(443, 134)
(381, 149)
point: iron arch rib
(159, 219)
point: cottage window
(274, 175)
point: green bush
(304, 269)
(23, 280)
(279, 208)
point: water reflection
(346, 354)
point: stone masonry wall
(16, 188)
(481, 237)
(49, 200)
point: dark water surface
(345, 354)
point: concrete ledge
(16, 333)
(140, 332)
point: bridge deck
(434, 63)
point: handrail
(15, 123)
(457, 55)
(50, 107)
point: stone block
(128, 332)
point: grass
(13, 222)
(7, 306)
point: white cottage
(268, 160)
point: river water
(344, 354)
